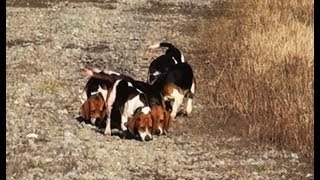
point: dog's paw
(182, 113)
(107, 132)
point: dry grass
(259, 55)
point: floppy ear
(154, 125)
(162, 101)
(85, 110)
(167, 122)
(131, 124)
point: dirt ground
(47, 44)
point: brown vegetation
(258, 62)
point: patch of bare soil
(49, 41)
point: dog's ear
(167, 122)
(162, 101)
(85, 111)
(154, 124)
(132, 124)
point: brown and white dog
(141, 123)
(93, 107)
(124, 93)
(163, 63)
(173, 77)
(95, 86)
(123, 98)
(160, 116)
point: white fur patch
(139, 90)
(175, 61)
(161, 131)
(156, 73)
(110, 102)
(144, 134)
(189, 106)
(93, 120)
(94, 93)
(182, 57)
(178, 98)
(193, 89)
(96, 70)
(111, 72)
(103, 92)
(145, 110)
(83, 97)
(154, 46)
(130, 84)
(129, 108)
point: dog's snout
(158, 132)
(147, 138)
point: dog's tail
(163, 44)
(110, 76)
(171, 51)
(96, 73)
(89, 72)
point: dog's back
(164, 62)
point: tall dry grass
(259, 63)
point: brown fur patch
(93, 107)
(140, 122)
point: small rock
(64, 111)
(309, 175)
(69, 134)
(32, 135)
(221, 163)
(294, 155)
(48, 160)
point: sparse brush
(260, 58)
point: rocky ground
(47, 44)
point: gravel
(48, 43)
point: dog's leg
(107, 131)
(124, 120)
(83, 97)
(178, 99)
(190, 98)
(109, 104)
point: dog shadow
(100, 125)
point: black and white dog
(162, 63)
(173, 77)
(175, 85)
(123, 98)
(128, 95)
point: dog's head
(161, 119)
(92, 108)
(141, 123)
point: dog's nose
(93, 121)
(158, 132)
(147, 138)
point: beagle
(160, 116)
(96, 86)
(124, 93)
(124, 99)
(162, 63)
(100, 81)
(175, 85)
(93, 107)
(141, 123)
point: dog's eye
(142, 128)
(161, 120)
